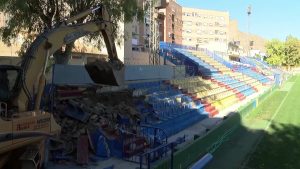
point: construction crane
(22, 122)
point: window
(199, 40)
(188, 31)
(188, 23)
(198, 24)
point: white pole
(249, 11)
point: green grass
(267, 108)
(270, 135)
(280, 145)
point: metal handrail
(161, 129)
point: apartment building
(140, 30)
(247, 44)
(205, 29)
(170, 22)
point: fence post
(141, 161)
(155, 132)
(148, 160)
(172, 155)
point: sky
(270, 18)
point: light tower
(154, 58)
(249, 12)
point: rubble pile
(78, 114)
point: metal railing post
(172, 155)
(141, 161)
(148, 160)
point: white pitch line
(243, 166)
(277, 110)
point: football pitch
(269, 136)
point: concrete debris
(107, 112)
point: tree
(284, 53)
(275, 52)
(30, 18)
(291, 52)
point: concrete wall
(9, 50)
(78, 58)
(148, 72)
(137, 58)
(8, 60)
(68, 74)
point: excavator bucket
(102, 72)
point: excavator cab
(10, 85)
(10, 82)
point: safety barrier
(147, 159)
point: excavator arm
(35, 60)
(22, 122)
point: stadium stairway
(257, 65)
(215, 98)
(252, 72)
(220, 74)
(249, 80)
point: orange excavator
(23, 124)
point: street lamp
(249, 12)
